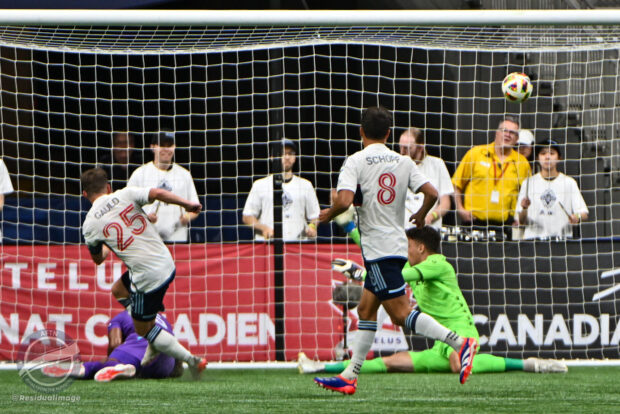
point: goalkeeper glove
(345, 218)
(350, 269)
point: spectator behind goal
(171, 221)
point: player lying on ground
(125, 351)
(435, 288)
(383, 177)
(429, 361)
(116, 222)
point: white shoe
(306, 365)
(197, 366)
(549, 366)
(108, 374)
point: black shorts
(126, 281)
(384, 278)
(146, 305)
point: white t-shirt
(545, 217)
(299, 205)
(383, 176)
(6, 186)
(118, 220)
(178, 181)
(435, 170)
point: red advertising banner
(220, 304)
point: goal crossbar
(20, 17)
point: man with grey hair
(488, 179)
(412, 144)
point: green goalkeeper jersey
(437, 293)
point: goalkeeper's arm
(345, 220)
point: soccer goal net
(74, 97)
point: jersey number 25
(129, 222)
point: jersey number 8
(387, 194)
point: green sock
(336, 367)
(489, 363)
(372, 366)
(514, 364)
(355, 236)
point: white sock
(529, 365)
(423, 324)
(361, 345)
(149, 355)
(168, 344)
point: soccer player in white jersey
(171, 221)
(411, 144)
(116, 222)
(383, 177)
(300, 207)
(550, 202)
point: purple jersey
(124, 322)
(133, 347)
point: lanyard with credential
(502, 172)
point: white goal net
(226, 93)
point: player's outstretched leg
(466, 355)
(117, 371)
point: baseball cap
(525, 137)
(548, 143)
(290, 144)
(163, 139)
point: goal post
(228, 84)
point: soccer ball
(517, 87)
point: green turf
(254, 391)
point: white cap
(525, 137)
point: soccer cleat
(466, 355)
(196, 368)
(306, 365)
(55, 371)
(62, 370)
(338, 384)
(548, 366)
(349, 268)
(108, 374)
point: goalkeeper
(125, 351)
(434, 285)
